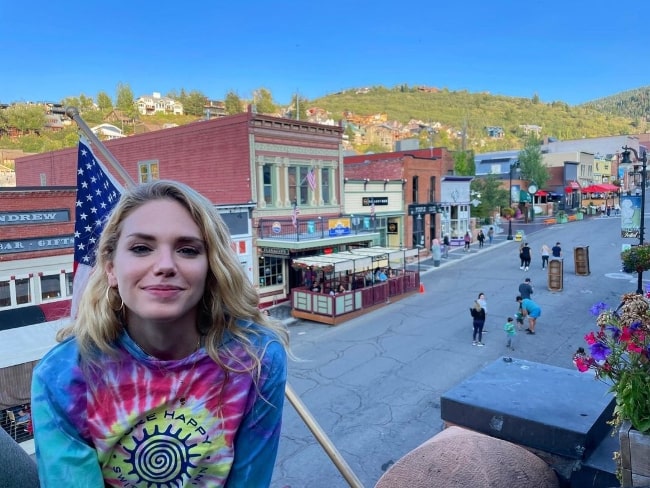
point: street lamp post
(512, 166)
(644, 161)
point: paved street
(374, 383)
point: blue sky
(570, 51)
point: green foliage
(492, 195)
(634, 104)
(530, 160)
(264, 102)
(636, 258)
(477, 111)
(25, 118)
(233, 103)
(125, 100)
(464, 163)
(104, 101)
(193, 102)
(300, 105)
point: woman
(525, 255)
(170, 375)
(546, 252)
(478, 320)
(483, 303)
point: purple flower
(614, 331)
(598, 308)
(599, 351)
(635, 326)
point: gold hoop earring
(108, 299)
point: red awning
(541, 193)
(572, 186)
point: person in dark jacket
(478, 321)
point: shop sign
(393, 228)
(378, 201)
(38, 244)
(35, 217)
(274, 251)
(424, 208)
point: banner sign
(630, 216)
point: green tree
(125, 100)
(464, 163)
(104, 101)
(531, 163)
(25, 118)
(493, 196)
(193, 102)
(82, 102)
(264, 101)
(233, 103)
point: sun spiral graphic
(161, 459)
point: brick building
(261, 172)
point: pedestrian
(481, 238)
(617, 209)
(483, 302)
(557, 250)
(519, 317)
(525, 256)
(490, 235)
(170, 351)
(521, 255)
(446, 243)
(478, 321)
(467, 239)
(436, 252)
(531, 310)
(526, 289)
(511, 332)
(546, 252)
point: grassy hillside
(475, 111)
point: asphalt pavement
(373, 384)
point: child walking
(511, 331)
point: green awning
(524, 196)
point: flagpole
(290, 394)
(73, 113)
(322, 438)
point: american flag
(97, 194)
(372, 208)
(311, 179)
(294, 215)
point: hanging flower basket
(636, 259)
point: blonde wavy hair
(229, 295)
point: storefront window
(5, 294)
(68, 284)
(270, 271)
(325, 186)
(23, 291)
(268, 184)
(50, 287)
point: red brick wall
(46, 199)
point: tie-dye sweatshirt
(144, 422)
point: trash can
(581, 260)
(555, 274)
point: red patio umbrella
(541, 193)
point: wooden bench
(550, 221)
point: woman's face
(160, 265)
